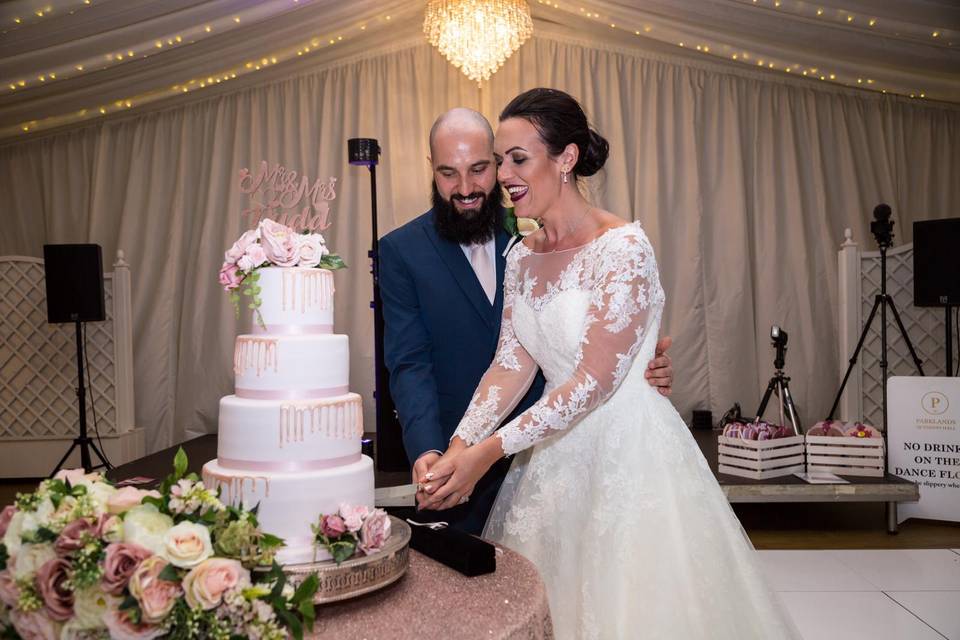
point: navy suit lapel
(453, 256)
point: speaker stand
(949, 343)
(83, 440)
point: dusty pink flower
(71, 538)
(34, 625)
(353, 516)
(374, 532)
(127, 497)
(234, 253)
(156, 596)
(5, 517)
(253, 258)
(120, 626)
(206, 583)
(121, 560)
(9, 591)
(332, 526)
(279, 243)
(230, 276)
(312, 249)
(57, 597)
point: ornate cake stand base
(360, 574)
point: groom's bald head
(459, 122)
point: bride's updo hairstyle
(560, 121)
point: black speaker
(936, 263)
(74, 278)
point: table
(429, 601)
(434, 601)
(889, 489)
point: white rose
(526, 226)
(31, 558)
(312, 249)
(11, 539)
(89, 606)
(100, 492)
(146, 526)
(187, 545)
(33, 520)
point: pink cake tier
(289, 438)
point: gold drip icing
(311, 288)
(331, 418)
(259, 353)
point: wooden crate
(845, 456)
(760, 460)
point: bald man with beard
(441, 280)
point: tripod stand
(83, 440)
(780, 384)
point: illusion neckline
(582, 246)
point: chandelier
(477, 36)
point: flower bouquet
(81, 558)
(271, 243)
(518, 228)
(352, 529)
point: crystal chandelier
(477, 36)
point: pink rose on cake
(279, 243)
(312, 249)
(254, 257)
(353, 516)
(241, 246)
(230, 277)
(332, 526)
(374, 532)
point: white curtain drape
(744, 184)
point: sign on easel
(924, 440)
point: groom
(441, 280)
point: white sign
(924, 423)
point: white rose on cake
(146, 526)
(312, 249)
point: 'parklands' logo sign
(935, 403)
(287, 197)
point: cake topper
(288, 197)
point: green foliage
(510, 222)
(4, 556)
(332, 262)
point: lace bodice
(581, 315)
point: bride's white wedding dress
(609, 494)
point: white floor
(870, 595)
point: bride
(608, 495)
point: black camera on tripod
(882, 227)
(779, 337)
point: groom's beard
(468, 226)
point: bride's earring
(564, 176)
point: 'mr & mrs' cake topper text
(287, 197)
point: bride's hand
(460, 474)
(429, 479)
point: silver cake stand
(360, 574)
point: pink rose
(374, 532)
(234, 253)
(206, 583)
(156, 596)
(34, 625)
(5, 517)
(353, 516)
(332, 526)
(9, 591)
(119, 625)
(121, 560)
(230, 276)
(279, 243)
(76, 476)
(71, 538)
(127, 497)
(312, 249)
(57, 596)
(253, 258)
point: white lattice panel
(38, 370)
(925, 327)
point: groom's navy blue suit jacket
(440, 336)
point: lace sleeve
(626, 292)
(509, 376)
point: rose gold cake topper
(287, 197)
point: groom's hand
(420, 469)
(659, 372)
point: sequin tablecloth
(433, 601)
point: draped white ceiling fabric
(69, 61)
(744, 178)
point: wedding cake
(289, 437)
